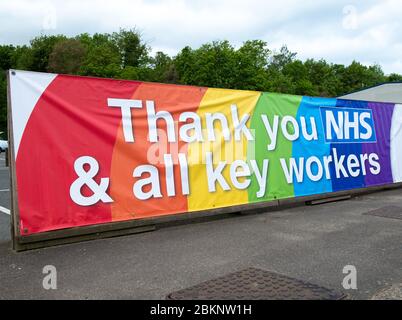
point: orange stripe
(127, 156)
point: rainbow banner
(92, 151)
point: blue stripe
(310, 107)
(343, 183)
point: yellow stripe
(219, 100)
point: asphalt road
(311, 243)
(4, 200)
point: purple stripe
(382, 115)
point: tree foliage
(124, 55)
(67, 57)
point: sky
(339, 31)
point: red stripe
(70, 120)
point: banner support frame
(14, 210)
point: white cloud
(312, 28)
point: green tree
(67, 57)
(163, 68)
(133, 51)
(323, 77)
(184, 65)
(297, 74)
(251, 65)
(3, 104)
(6, 57)
(102, 58)
(213, 65)
(357, 76)
(40, 50)
(394, 77)
(22, 58)
(280, 59)
(278, 81)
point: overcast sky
(369, 31)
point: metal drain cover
(392, 212)
(255, 284)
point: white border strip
(396, 143)
(26, 89)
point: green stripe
(271, 104)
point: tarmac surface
(310, 243)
